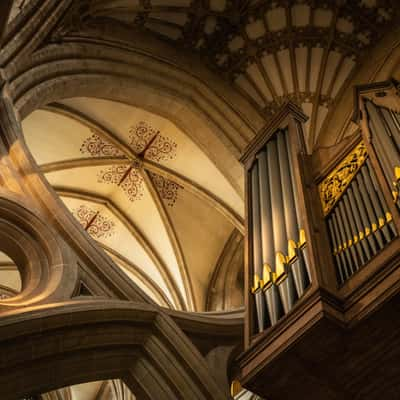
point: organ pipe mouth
(292, 253)
(258, 283)
(267, 276)
(397, 173)
(302, 238)
(280, 268)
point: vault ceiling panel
(146, 215)
(172, 148)
(122, 171)
(44, 131)
(142, 284)
(202, 232)
(113, 233)
(85, 391)
(83, 179)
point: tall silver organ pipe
(257, 249)
(272, 297)
(280, 270)
(384, 127)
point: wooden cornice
(368, 89)
(279, 120)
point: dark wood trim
(276, 122)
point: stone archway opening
(10, 277)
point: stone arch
(83, 341)
(48, 271)
(93, 70)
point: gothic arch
(48, 270)
(92, 340)
(93, 70)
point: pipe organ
(384, 132)
(278, 251)
(357, 215)
(322, 260)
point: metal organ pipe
(303, 252)
(336, 245)
(257, 249)
(381, 219)
(387, 154)
(382, 200)
(360, 228)
(370, 211)
(358, 219)
(285, 284)
(268, 249)
(339, 226)
(393, 125)
(364, 217)
(280, 271)
(291, 222)
(385, 131)
(354, 231)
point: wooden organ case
(322, 262)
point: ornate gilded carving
(334, 185)
(125, 176)
(94, 223)
(167, 189)
(98, 147)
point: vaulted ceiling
(142, 189)
(303, 50)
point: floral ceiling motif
(98, 147)
(147, 143)
(167, 189)
(126, 177)
(94, 223)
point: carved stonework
(98, 147)
(333, 186)
(156, 147)
(94, 223)
(125, 176)
(167, 189)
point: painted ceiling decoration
(303, 50)
(167, 189)
(94, 222)
(146, 142)
(98, 147)
(126, 177)
(140, 187)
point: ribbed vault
(142, 189)
(303, 50)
